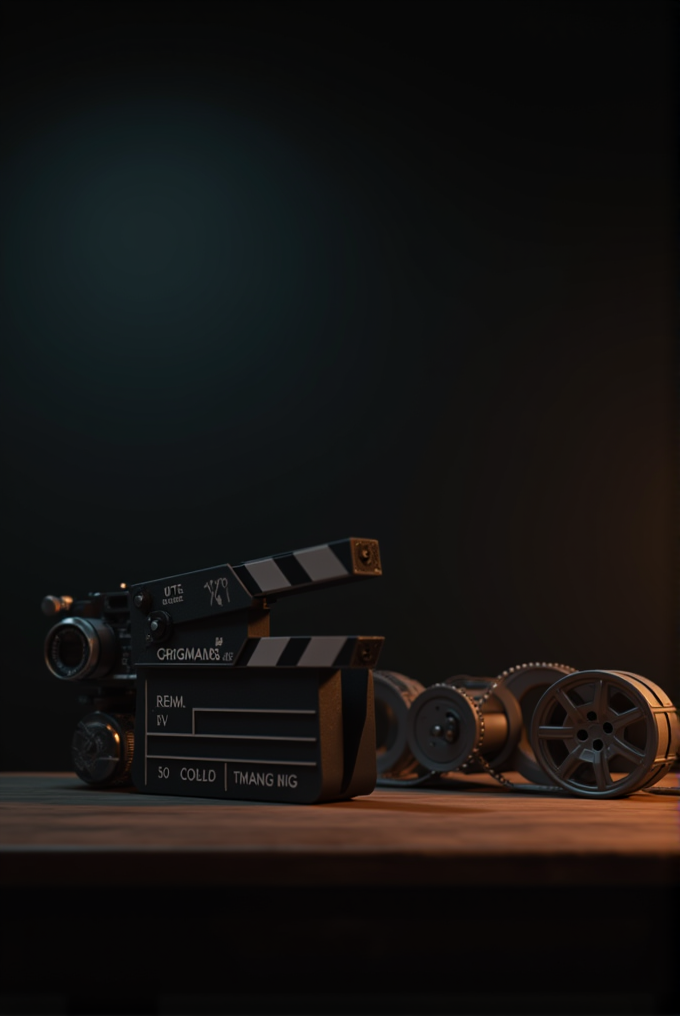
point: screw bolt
(160, 625)
(142, 601)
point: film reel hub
(501, 724)
(444, 727)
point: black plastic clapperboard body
(225, 710)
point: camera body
(91, 647)
(221, 708)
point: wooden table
(475, 900)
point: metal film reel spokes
(605, 733)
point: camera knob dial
(102, 749)
(159, 625)
(142, 600)
(52, 605)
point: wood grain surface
(53, 830)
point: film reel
(393, 695)
(605, 733)
(527, 683)
(450, 724)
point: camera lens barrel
(79, 648)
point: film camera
(192, 696)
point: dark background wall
(276, 274)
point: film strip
(590, 733)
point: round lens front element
(72, 649)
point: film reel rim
(398, 692)
(601, 744)
(523, 759)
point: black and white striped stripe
(327, 563)
(311, 651)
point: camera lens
(78, 648)
(72, 649)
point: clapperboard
(224, 709)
